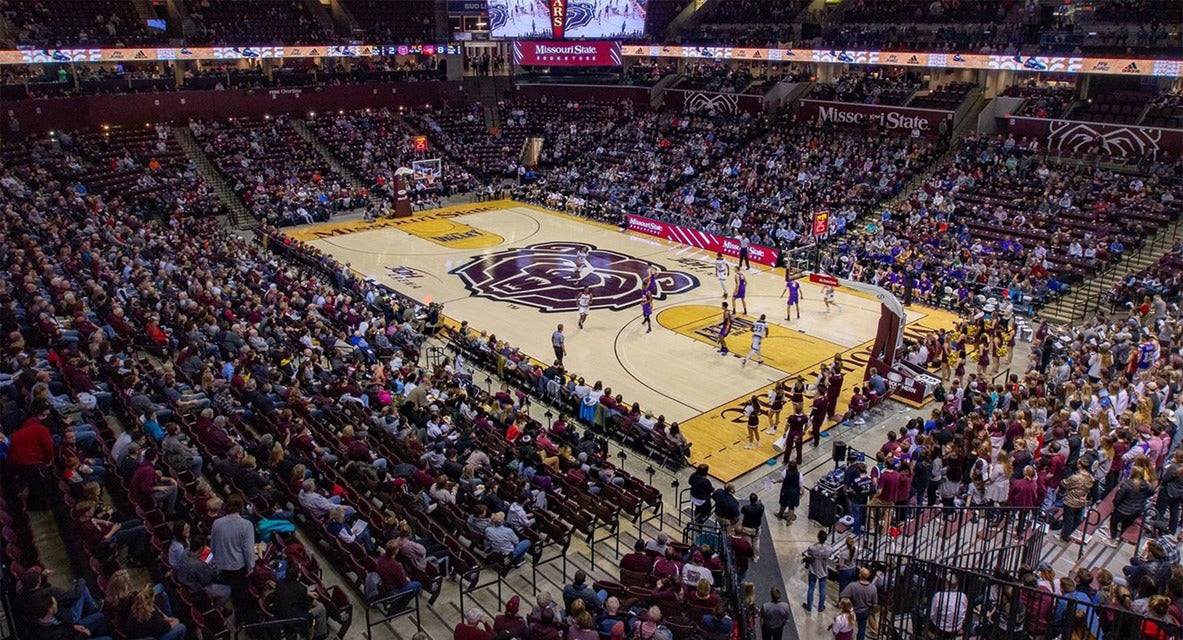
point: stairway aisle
(1092, 296)
(239, 216)
(302, 128)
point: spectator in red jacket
(30, 456)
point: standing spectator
(751, 519)
(863, 596)
(700, 492)
(948, 610)
(1128, 504)
(1170, 492)
(726, 506)
(232, 540)
(790, 492)
(817, 561)
(30, 457)
(773, 616)
(1076, 488)
(842, 627)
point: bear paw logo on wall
(550, 277)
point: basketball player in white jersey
(584, 301)
(759, 331)
(828, 298)
(722, 272)
(582, 263)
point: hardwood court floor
(508, 269)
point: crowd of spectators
(279, 175)
(731, 175)
(868, 88)
(376, 144)
(258, 22)
(907, 36)
(927, 11)
(281, 376)
(647, 73)
(404, 22)
(714, 76)
(1051, 101)
(997, 217)
(1162, 279)
(60, 23)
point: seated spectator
(391, 572)
(150, 489)
(580, 590)
(475, 626)
(511, 623)
(146, 620)
(637, 561)
(96, 533)
(717, 623)
(501, 539)
(195, 573)
(293, 599)
(358, 532)
(702, 596)
(546, 627)
(45, 623)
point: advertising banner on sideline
(701, 239)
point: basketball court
(510, 269)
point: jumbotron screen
(567, 19)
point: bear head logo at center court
(550, 276)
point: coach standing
(559, 342)
(232, 540)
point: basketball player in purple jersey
(724, 330)
(647, 311)
(793, 288)
(741, 291)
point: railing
(997, 538)
(711, 532)
(274, 629)
(396, 605)
(927, 600)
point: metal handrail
(381, 605)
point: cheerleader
(983, 356)
(958, 364)
(741, 291)
(797, 396)
(751, 413)
(1000, 353)
(776, 402)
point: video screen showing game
(567, 19)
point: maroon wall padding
(1117, 140)
(84, 112)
